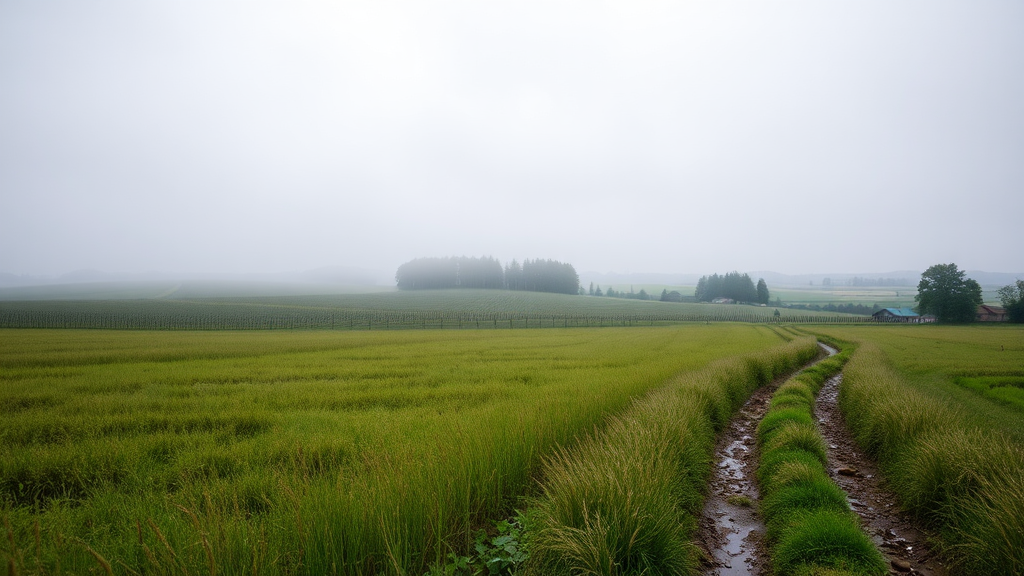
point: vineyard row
(377, 320)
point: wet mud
(731, 530)
(906, 548)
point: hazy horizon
(691, 137)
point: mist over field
(163, 139)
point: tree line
(861, 309)
(486, 272)
(858, 281)
(733, 285)
(613, 293)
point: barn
(991, 314)
(896, 315)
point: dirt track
(731, 530)
(904, 546)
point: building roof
(901, 312)
(984, 308)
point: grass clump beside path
(954, 457)
(809, 525)
(625, 500)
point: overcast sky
(799, 137)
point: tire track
(904, 546)
(731, 529)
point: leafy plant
(501, 554)
(495, 555)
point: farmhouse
(991, 314)
(896, 315)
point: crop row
(116, 317)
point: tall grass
(301, 452)
(809, 525)
(964, 480)
(625, 499)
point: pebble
(901, 565)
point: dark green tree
(762, 291)
(733, 285)
(946, 292)
(1012, 297)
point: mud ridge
(905, 547)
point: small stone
(846, 471)
(901, 565)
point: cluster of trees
(734, 285)
(673, 296)
(862, 309)
(461, 272)
(486, 272)
(611, 292)
(947, 293)
(542, 276)
(1012, 298)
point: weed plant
(301, 452)
(625, 499)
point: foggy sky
(703, 137)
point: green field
(365, 452)
(432, 309)
(302, 451)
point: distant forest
(486, 272)
(858, 281)
(734, 285)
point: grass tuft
(809, 525)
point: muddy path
(731, 529)
(904, 546)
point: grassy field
(302, 451)
(924, 401)
(434, 309)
